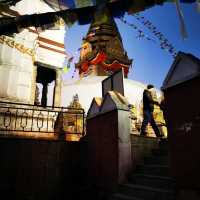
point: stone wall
(141, 147)
(103, 151)
(183, 120)
(108, 150)
(44, 169)
(40, 169)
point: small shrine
(70, 123)
(75, 103)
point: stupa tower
(102, 51)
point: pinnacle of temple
(102, 51)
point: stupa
(102, 53)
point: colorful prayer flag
(67, 66)
(65, 69)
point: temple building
(31, 61)
(31, 64)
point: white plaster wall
(86, 89)
(55, 35)
(50, 57)
(90, 87)
(4, 79)
(16, 69)
(133, 91)
(8, 73)
(5, 67)
(44, 55)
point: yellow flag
(65, 69)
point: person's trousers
(148, 118)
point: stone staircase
(151, 180)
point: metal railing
(15, 117)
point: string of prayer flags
(164, 43)
(74, 73)
(141, 34)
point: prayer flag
(65, 69)
(182, 23)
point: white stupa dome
(89, 87)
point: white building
(31, 57)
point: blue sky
(150, 62)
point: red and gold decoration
(100, 59)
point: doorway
(45, 86)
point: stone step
(163, 182)
(164, 160)
(145, 192)
(160, 152)
(150, 181)
(120, 196)
(153, 169)
(163, 142)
